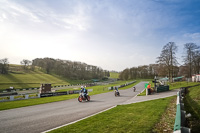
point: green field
(114, 75)
(132, 118)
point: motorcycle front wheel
(80, 99)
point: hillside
(28, 80)
(19, 78)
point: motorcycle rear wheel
(88, 98)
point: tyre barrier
(180, 119)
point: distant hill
(20, 78)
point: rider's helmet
(82, 87)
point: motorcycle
(117, 93)
(82, 97)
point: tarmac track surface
(39, 118)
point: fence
(59, 86)
(180, 120)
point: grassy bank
(137, 117)
(177, 85)
(21, 79)
(192, 105)
(29, 80)
(30, 102)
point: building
(196, 78)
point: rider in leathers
(84, 91)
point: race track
(39, 118)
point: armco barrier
(120, 86)
(180, 120)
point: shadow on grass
(40, 78)
(13, 79)
(17, 81)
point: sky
(111, 34)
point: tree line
(70, 69)
(167, 65)
(65, 68)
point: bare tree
(168, 58)
(26, 63)
(196, 62)
(191, 56)
(4, 66)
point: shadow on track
(91, 101)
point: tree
(4, 66)
(124, 75)
(168, 58)
(26, 63)
(191, 57)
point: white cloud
(110, 34)
(193, 36)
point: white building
(196, 78)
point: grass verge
(137, 117)
(30, 102)
(166, 123)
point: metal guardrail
(180, 120)
(120, 86)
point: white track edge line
(78, 120)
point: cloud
(194, 36)
(113, 34)
(15, 11)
